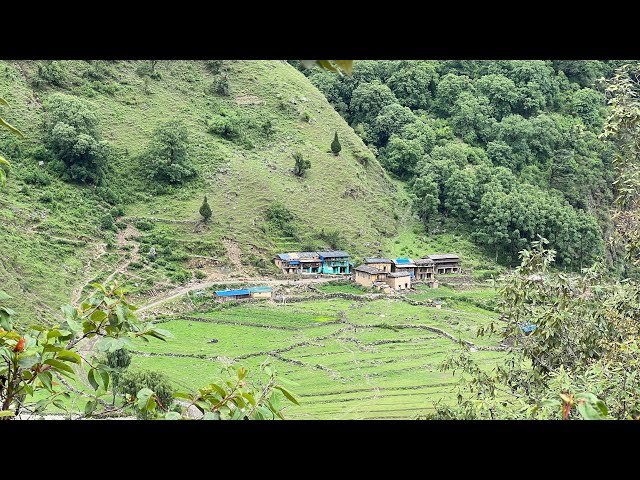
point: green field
(350, 359)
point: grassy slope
(239, 182)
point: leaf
(58, 365)
(3, 102)
(173, 416)
(92, 379)
(287, 394)
(326, 64)
(98, 316)
(59, 403)
(90, 406)
(7, 413)
(4, 296)
(145, 399)
(105, 344)
(45, 379)
(5, 124)
(211, 416)
(591, 407)
(67, 356)
(28, 361)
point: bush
(219, 85)
(107, 222)
(200, 275)
(52, 73)
(306, 116)
(302, 164)
(132, 382)
(180, 275)
(117, 211)
(267, 128)
(46, 197)
(144, 225)
(108, 195)
(333, 238)
(214, 66)
(37, 177)
(227, 125)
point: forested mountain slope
(510, 149)
(119, 154)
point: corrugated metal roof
(400, 274)
(402, 261)
(297, 255)
(231, 293)
(368, 269)
(376, 260)
(424, 261)
(443, 256)
(259, 289)
(333, 254)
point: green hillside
(52, 238)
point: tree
(335, 145)
(133, 382)
(71, 132)
(302, 164)
(368, 100)
(390, 120)
(414, 84)
(425, 197)
(205, 210)
(402, 156)
(167, 156)
(117, 361)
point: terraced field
(351, 359)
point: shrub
(108, 195)
(37, 177)
(180, 275)
(205, 210)
(117, 211)
(200, 275)
(143, 224)
(227, 125)
(46, 197)
(214, 66)
(107, 223)
(301, 164)
(52, 73)
(219, 85)
(306, 116)
(267, 128)
(131, 382)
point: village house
(231, 295)
(445, 263)
(367, 275)
(299, 262)
(242, 294)
(399, 280)
(383, 264)
(424, 271)
(335, 262)
(330, 262)
(404, 265)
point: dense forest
(509, 149)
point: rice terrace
(319, 239)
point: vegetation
(167, 157)
(478, 139)
(205, 210)
(335, 145)
(302, 164)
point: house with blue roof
(329, 262)
(242, 294)
(404, 265)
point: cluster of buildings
(398, 274)
(333, 262)
(383, 273)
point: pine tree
(335, 145)
(205, 209)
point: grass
(370, 367)
(241, 178)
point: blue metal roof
(403, 260)
(294, 262)
(260, 289)
(232, 293)
(528, 327)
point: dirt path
(233, 253)
(183, 290)
(101, 248)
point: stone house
(383, 264)
(445, 263)
(366, 275)
(404, 265)
(399, 280)
(425, 269)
